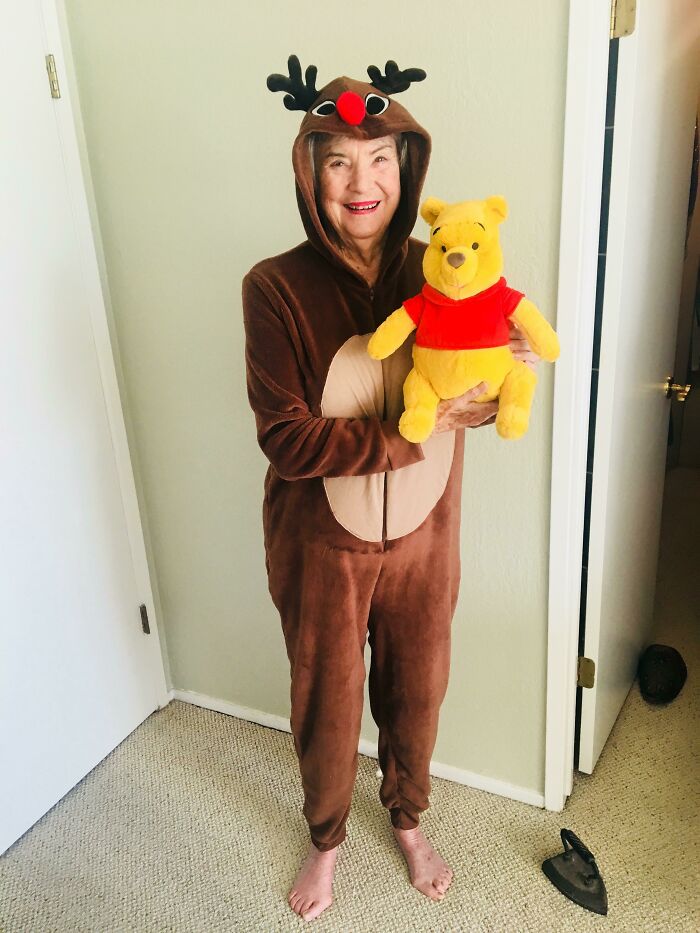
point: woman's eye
(475, 246)
(444, 249)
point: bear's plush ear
(497, 206)
(430, 208)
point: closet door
(657, 84)
(77, 670)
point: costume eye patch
(324, 109)
(374, 104)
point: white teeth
(368, 207)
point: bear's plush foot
(416, 424)
(512, 421)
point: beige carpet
(193, 823)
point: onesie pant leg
(323, 598)
(410, 636)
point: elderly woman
(361, 527)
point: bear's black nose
(455, 260)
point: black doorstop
(575, 873)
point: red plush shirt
(468, 324)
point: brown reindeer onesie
(361, 527)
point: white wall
(190, 160)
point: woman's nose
(358, 177)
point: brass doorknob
(681, 392)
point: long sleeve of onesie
(299, 444)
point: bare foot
(428, 871)
(312, 891)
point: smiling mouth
(362, 207)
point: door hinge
(586, 672)
(144, 620)
(53, 77)
(623, 17)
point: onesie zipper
(384, 519)
(371, 298)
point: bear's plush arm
(537, 330)
(390, 334)
(298, 444)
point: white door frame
(584, 139)
(72, 140)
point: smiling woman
(351, 507)
(358, 188)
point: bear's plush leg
(421, 401)
(515, 401)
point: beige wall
(190, 160)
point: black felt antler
(299, 95)
(394, 80)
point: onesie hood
(361, 110)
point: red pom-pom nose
(351, 108)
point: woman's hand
(464, 412)
(521, 349)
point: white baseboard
(449, 773)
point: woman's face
(360, 186)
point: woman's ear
(430, 208)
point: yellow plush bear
(461, 316)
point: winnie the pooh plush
(461, 316)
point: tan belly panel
(355, 388)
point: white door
(657, 90)
(77, 671)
